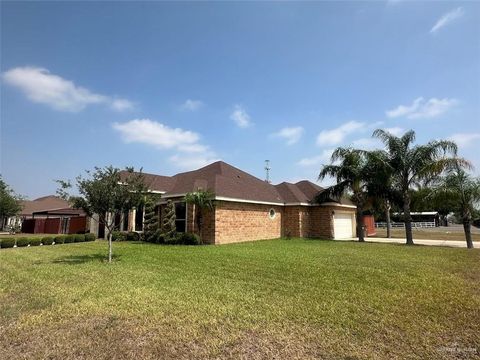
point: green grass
(443, 233)
(269, 299)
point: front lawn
(439, 233)
(269, 299)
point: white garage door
(343, 225)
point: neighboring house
(247, 208)
(51, 215)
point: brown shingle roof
(301, 192)
(227, 181)
(45, 203)
(153, 182)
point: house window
(181, 216)
(272, 214)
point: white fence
(416, 224)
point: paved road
(448, 243)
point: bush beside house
(46, 240)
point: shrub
(47, 240)
(35, 241)
(23, 241)
(119, 236)
(159, 239)
(174, 240)
(79, 238)
(188, 239)
(133, 236)
(59, 239)
(7, 242)
(69, 239)
(89, 237)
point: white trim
(225, 198)
(339, 205)
(222, 198)
(299, 204)
(172, 196)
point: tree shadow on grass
(82, 259)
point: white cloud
(192, 162)
(191, 105)
(423, 109)
(291, 134)
(397, 131)
(447, 19)
(43, 87)
(121, 104)
(323, 158)
(153, 133)
(367, 144)
(240, 116)
(464, 139)
(337, 135)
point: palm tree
(201, 200)
(465, 191)
(351, 176)
(411, 165)
(379, 184)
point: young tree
(201, 200)
(351, 175)
(464, 190)
(106, 193)
(151, 226)
(169, 229)
(411, 165)
(10, 203)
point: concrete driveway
(448, 243)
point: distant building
(49, 214)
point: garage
(343, 225)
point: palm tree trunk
(387, 217)
(199, 223)
(360, 233)
(468, 233)
(407, 219)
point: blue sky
(172, 86)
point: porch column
(131, 223)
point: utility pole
(267, 171)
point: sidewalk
(448, 243)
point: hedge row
(125, 236)
(47, 240)
(179, 239)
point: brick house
(247, 208)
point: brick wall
(321, 222)
(309, 221)
(237, 222)
(208, 224)
(233, 222)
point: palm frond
(332, 193)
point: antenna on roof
(267, 171)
